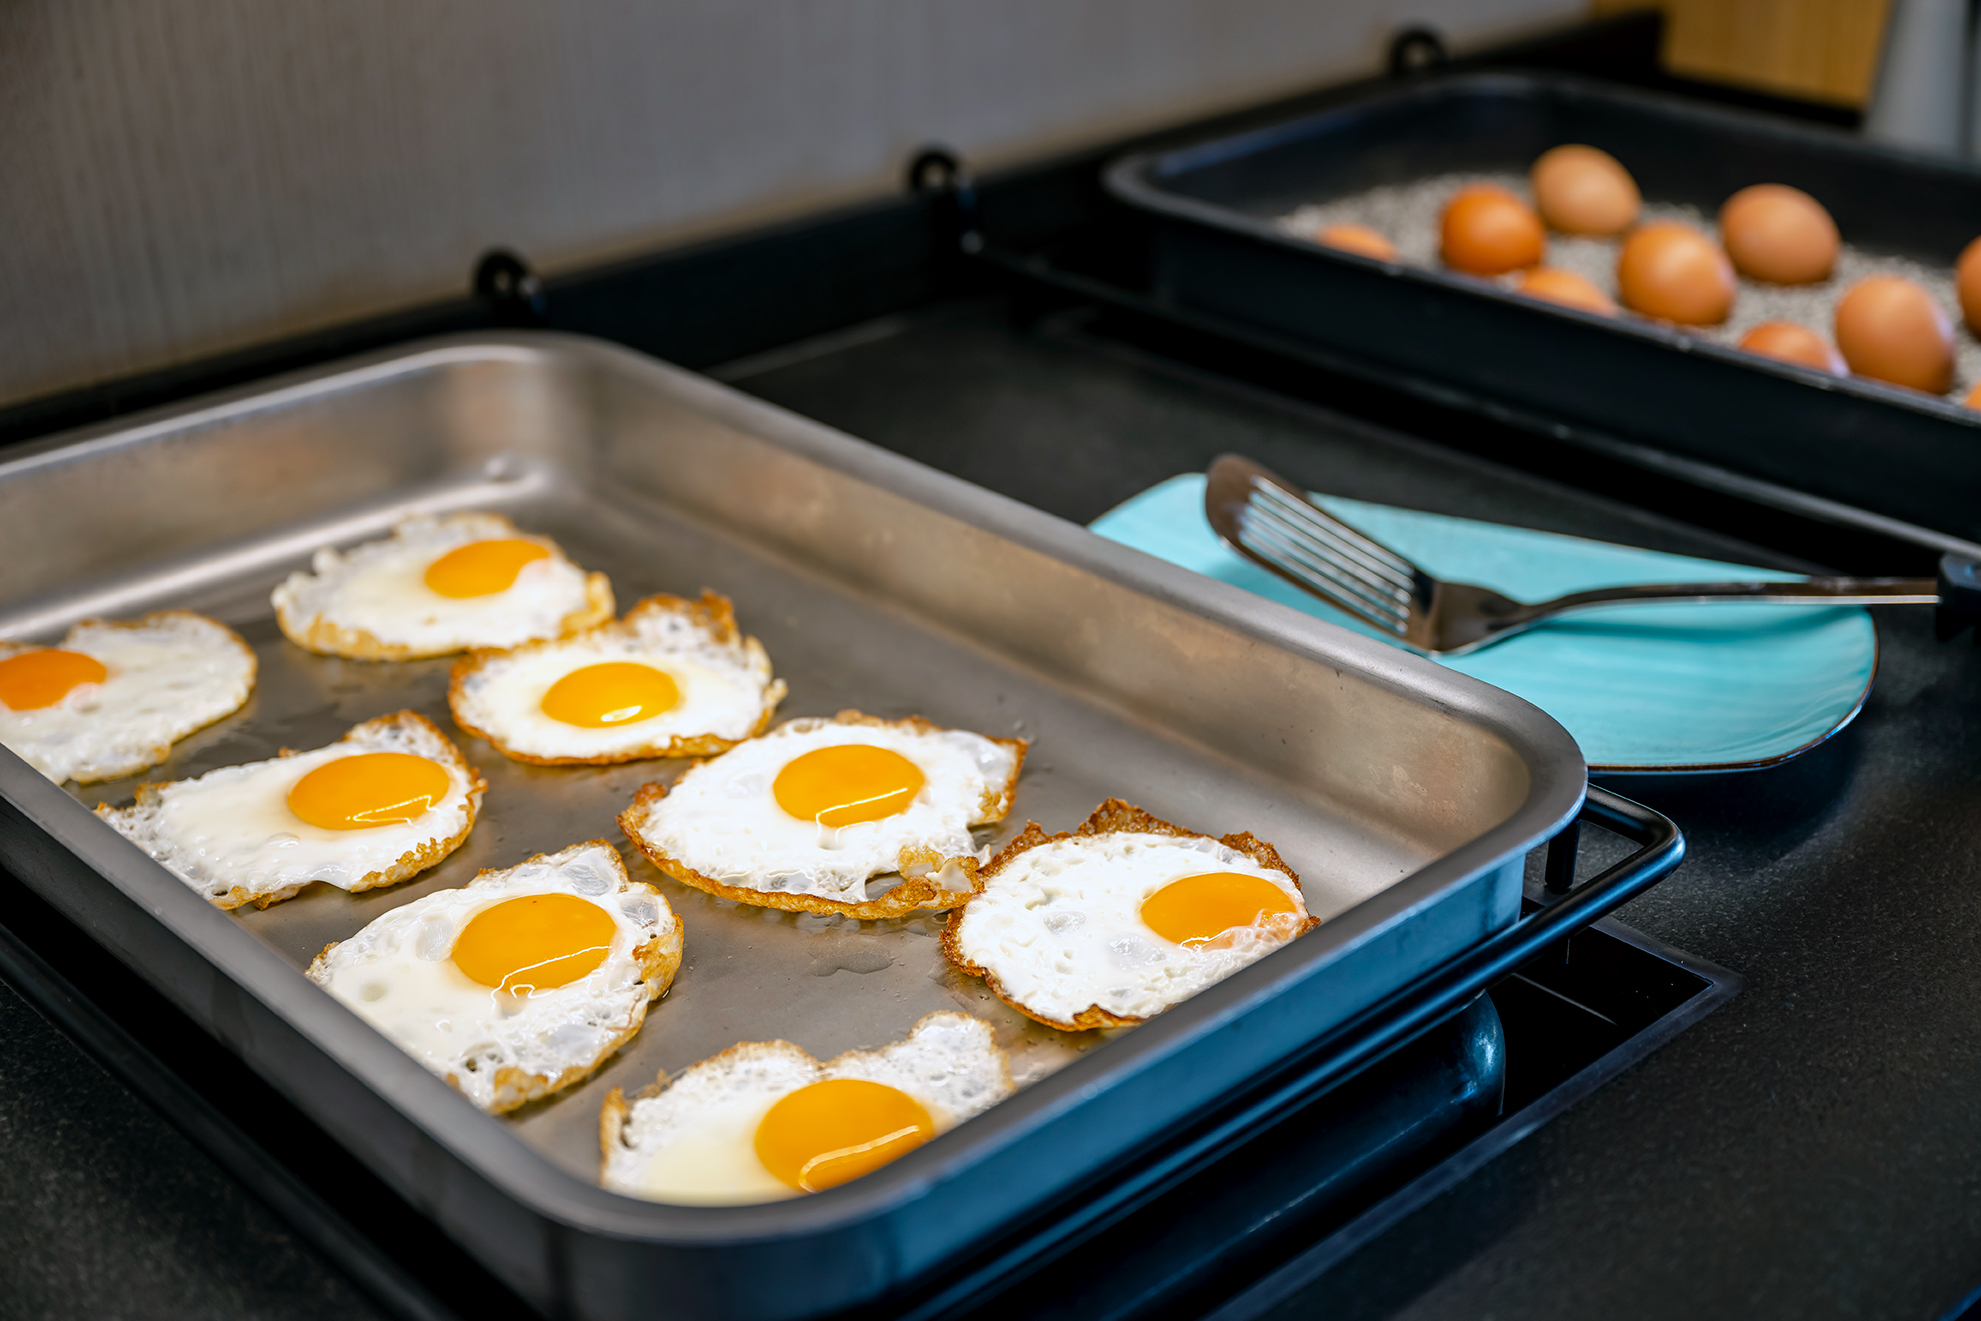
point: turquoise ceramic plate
(1642, 688)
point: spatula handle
(1799, 591)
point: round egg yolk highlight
(35, 679)
(369, 789)
(482, 568)
(612, 693)
(1198, 908)
(820, 1136)
(847, 783)
(534, 943)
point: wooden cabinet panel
(1823, 49)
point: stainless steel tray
(1405, 795)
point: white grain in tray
(1407, 214)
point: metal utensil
(1272, 523)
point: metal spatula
(1272, 523)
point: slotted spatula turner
(1272, 523)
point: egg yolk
(534, 943)
(35, 679)
(847, 783)
(820, 1136)
(1198, 908)
(612, 693)
(369, 789)
(482, 568)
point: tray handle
(1420, 1006)
(1415, 50)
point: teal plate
(1642, 688)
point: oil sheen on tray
(1642, 688)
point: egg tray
(1222, 246)
(1411, 214)
(1405, 795)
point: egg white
(726, 690)
(372, 602)
(500, 1049)
(721, 824)
(692, 1141)
(1057, 928)
(169, 674)
(230, 834)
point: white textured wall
(180, 178)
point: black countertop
(111, 1212)
(1811, 1149)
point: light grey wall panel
(180, 178)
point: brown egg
(1967, 278)
(1891, 330)
(1357, 238)
(1554, 285)
(1675, 273)
(1973, 399)
(1489, 231)
(1581, 190)
(1788, 342)
(1779, 234)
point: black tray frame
(1372, 1037)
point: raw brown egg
(1891, 330)
(1779, 234)
(1967, 278)
(1788, 342)
(1973, 399)
(1489, 231)
(1357, 238)
(1581, 190)
(1675, 273)
(1554, 285)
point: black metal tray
(1343, 1149)
(1899, 453)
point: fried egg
(764, 1121)
(1121, 919)
(388, 800)
(804, 816)
(674, 678)
(439, 585)
(114, 696)
(519, 983)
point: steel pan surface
(1404, 796)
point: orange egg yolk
(1199, 908)
(35, 679)
(847, 783)
(823, 1135)
(369, 789)
(534, 943)
(482, 568)
(612, 693)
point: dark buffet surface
(1809, 1149)
(1812, 1148)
